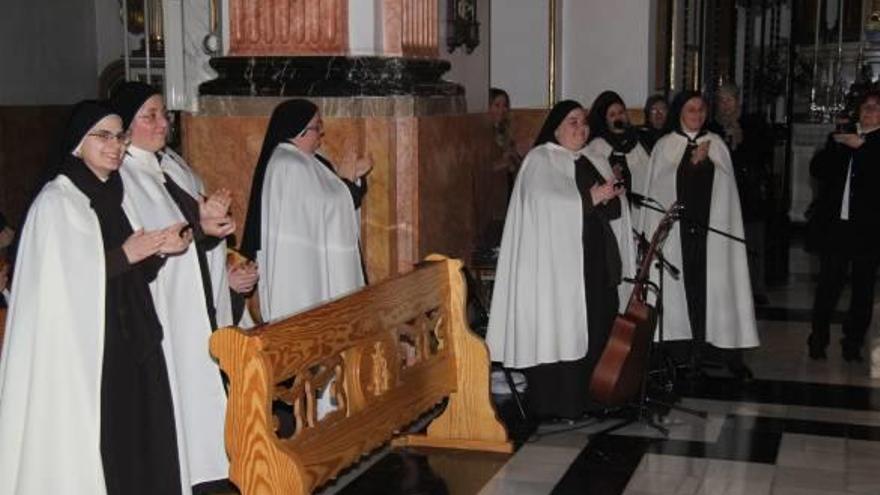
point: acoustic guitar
(618, 376)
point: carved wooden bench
(388, 354)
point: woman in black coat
(844, 228)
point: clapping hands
(214, 216)
(243, 276)
(141, 244)
(603, 193)
(354, 167)
(700, 153)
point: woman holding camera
(844, 227)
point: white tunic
(196, 388)
(730, 312)
(308, 235)
(185, 177)
(637, 160)
(539, 312)
(50, 369)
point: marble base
(337, 107)
(329, 76)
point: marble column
(410, 27)
(288, 27)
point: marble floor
(800, 427)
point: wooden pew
(388, 354)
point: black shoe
(741, 372)
(817, 350)
(817, 353)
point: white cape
(185, 177)
(730, 312)
(637, 159)
(308, 235)
(50, 369)
(196, 388)
(539, 312)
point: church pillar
(372, 67)
(280, 27)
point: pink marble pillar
(410, 28)
(288, 27)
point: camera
(845, 128)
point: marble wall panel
(525, 124)
(344, 106)
(452, 149)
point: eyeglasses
(106, 136)
(317, 128)
(153, 117)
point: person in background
(499, 113)
(844, 228)
(565, 249)
(493, 182)
(750, 141)
(655, 126)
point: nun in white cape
(612, 138)
(85, 403)
(539, 315)
(181, 301)
(302, 225)
(176, 167)
(729, 311)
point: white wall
(365, 27)
(519, 46)
(48, 52)
(108, 32)
(606, 45)
(470, 70)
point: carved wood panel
(288, 27)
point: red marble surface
(288, 27)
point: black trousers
(834, 267)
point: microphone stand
(662, 265)
(653, 204)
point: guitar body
(620, 372)
(618, 375)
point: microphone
(640, 199)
